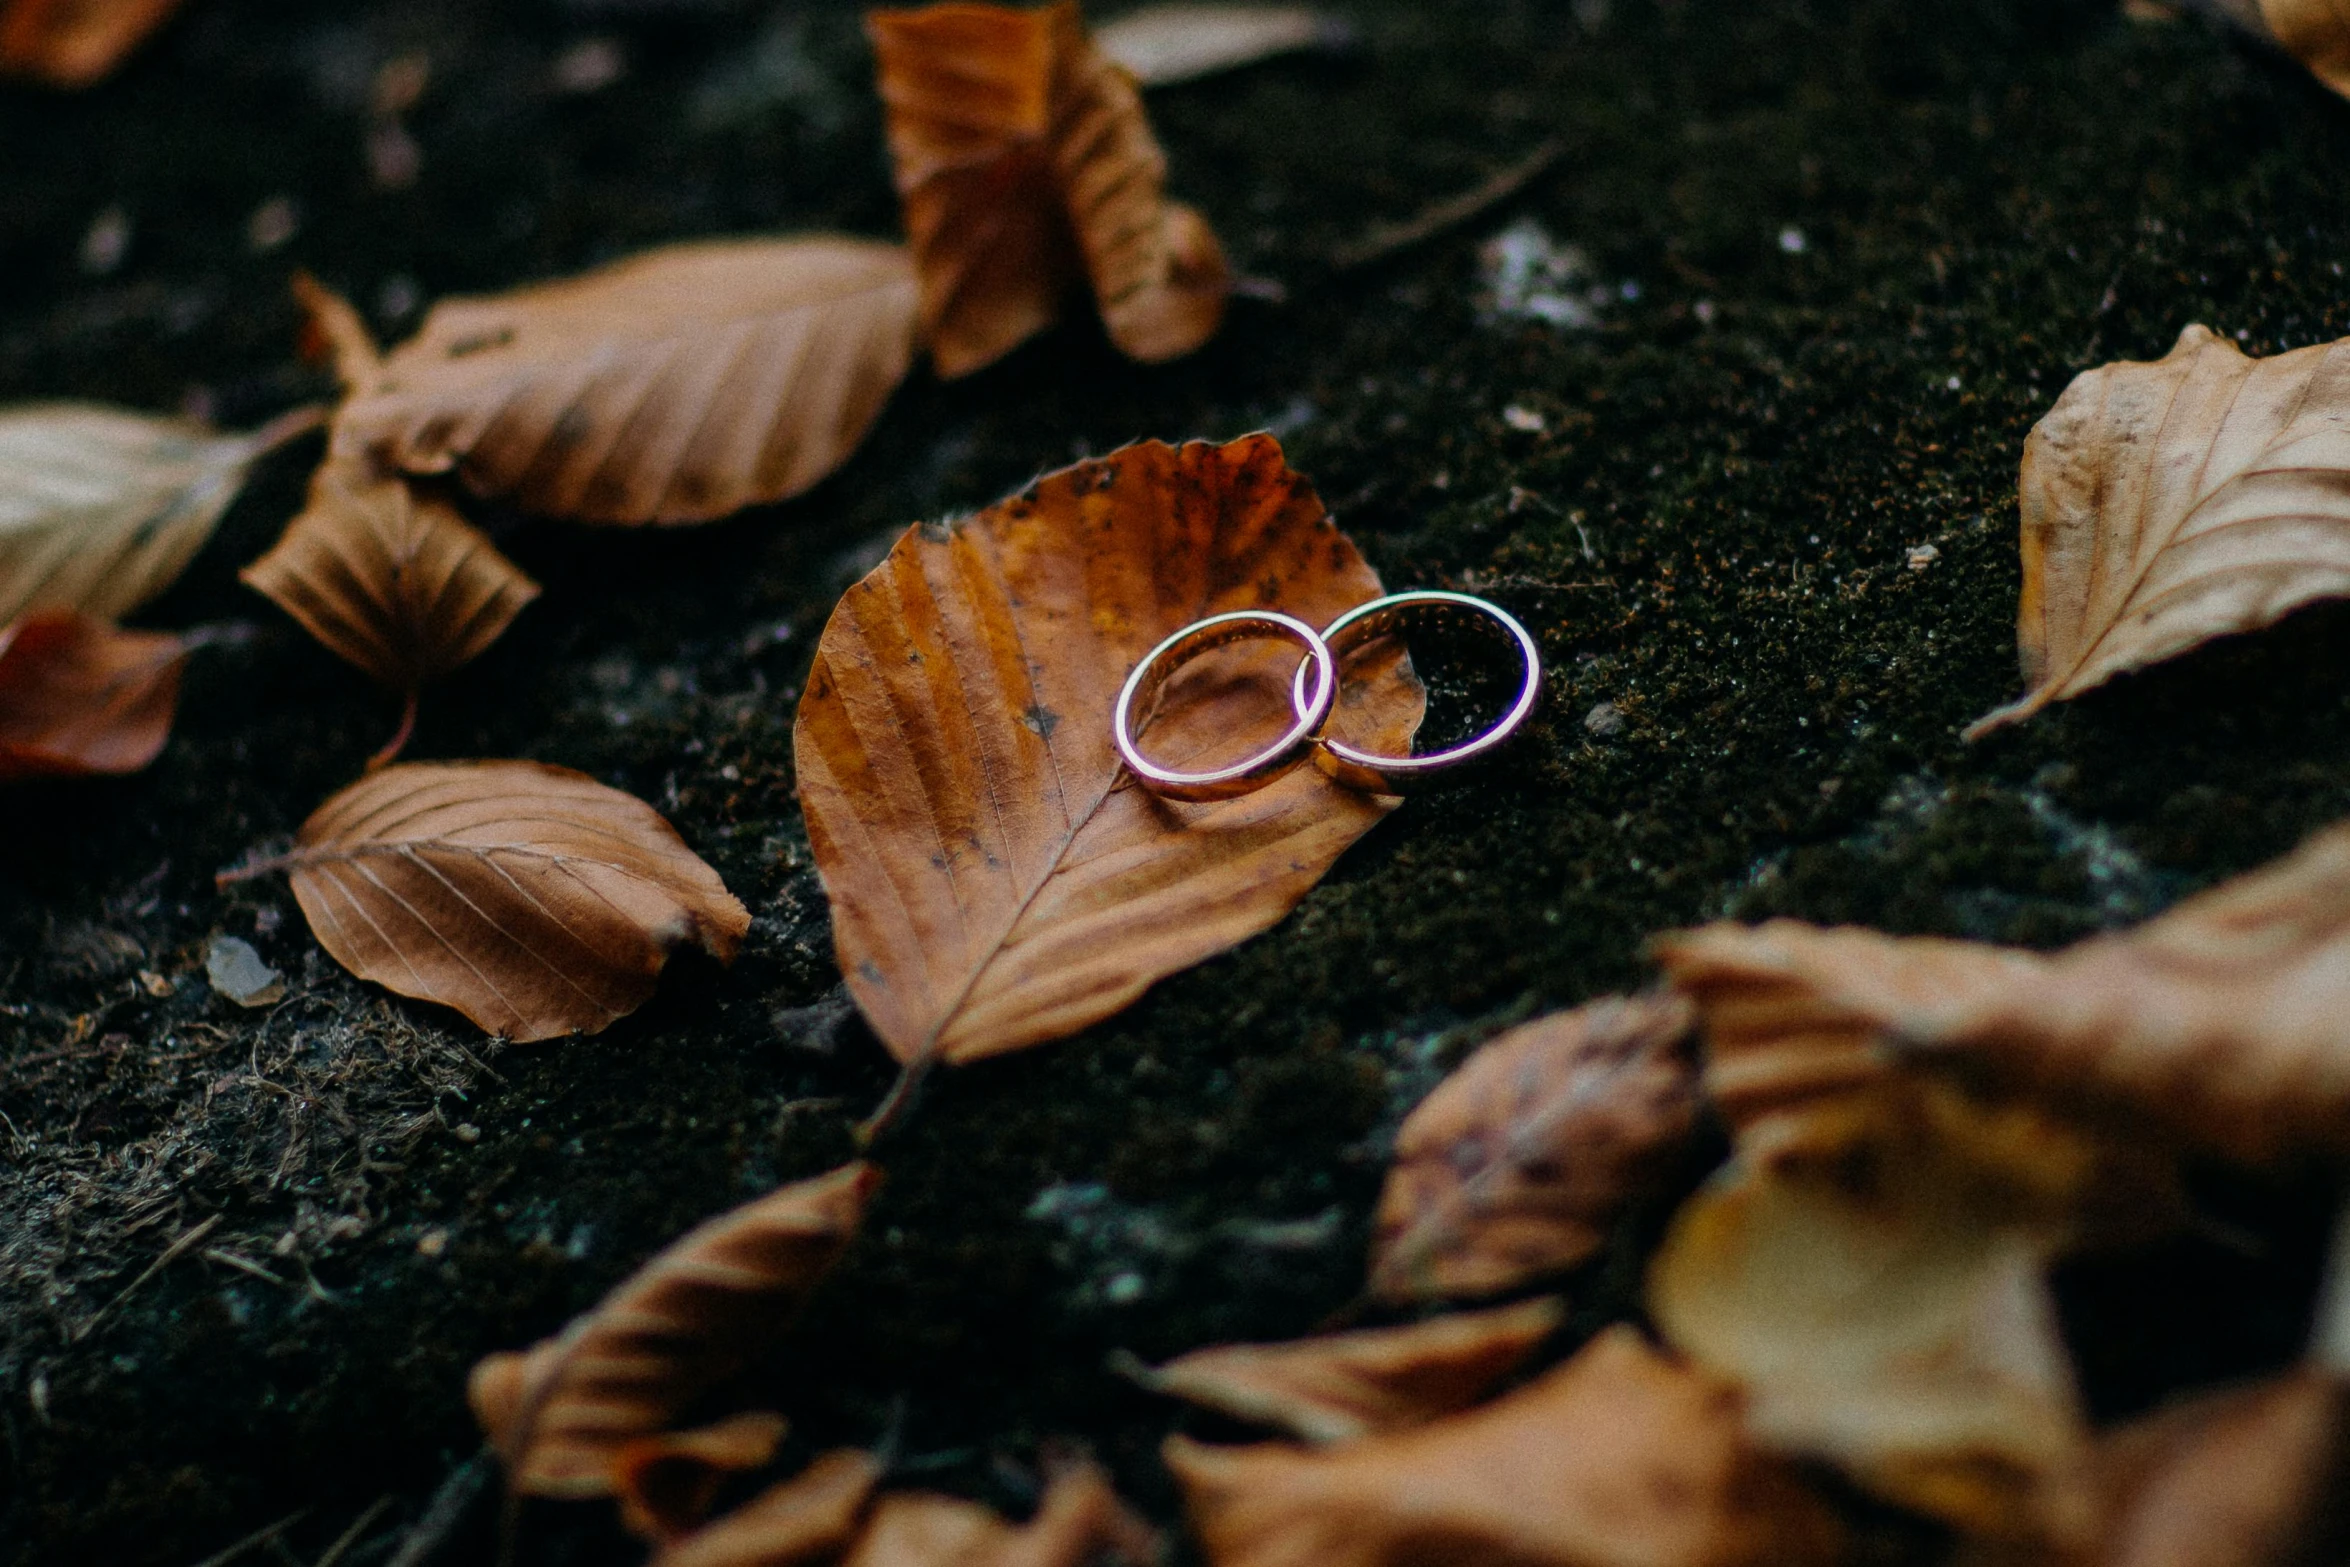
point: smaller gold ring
(1312, 702)
(1376, 774)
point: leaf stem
(898, 1103)
(289, 426)
(399, 740)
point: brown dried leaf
(1160, 45)
(1619, 1458)
(995, 879)
(531, 898)
(2224, 1024)
(666, 1483)
(79, 696)
(74, 43)
(561, 1412)
(1023, 157)
(1341, 1386)
(676, 386)
(394, 581)
(810, 1518)
(921, 1529)
(101, 509)
(1520, 1160)
(1870, 1272)
(2169, 503)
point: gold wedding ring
(1311, 698)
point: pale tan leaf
(101, 509)
(79, 696)
(531, 898)
(1520, 1160)
(74, 43)
(1080, 1522)
(1337, 1387)
(2169, 503)
(676, 386)
(1870, 1272)
(810, 1518)
(666, 1483)
(1160, 45)
(2224, 1024)
(921, 1529)
(562, 1412)
(1619, 1458)
(392, 580)
(995, 878)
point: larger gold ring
(1315, 688)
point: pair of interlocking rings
(1314, 696)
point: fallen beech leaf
(666, 1483)
(101, 509)
(73, 43)
(1871, 1273)
(1023, 156)
(561, 1412)
(2315, 32)
(2169, 503)
(1340, 1386)
(1518, 1162)
(675, 386)
(1619, 1458)
(1160, 45)
(531, 898)
(810, 1518)
(1080, 1522)
(995, 880)
(393, 581)
(79, 696)
(922, 1529)
(2224, 1024)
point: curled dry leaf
(79, 696)
(531, 898)
(1619, 1458)
(1341, 1386)
(2166, 504)
(1519, 1161)
(1870, 1272)
(74, 43)
(666, 1483)
(2224, 1024)
(393, 581)
(1023, 157)
(676, 386)
(1160, 45)
(561, 1412)
(811, 1518)
(995, 880)
(101, 509)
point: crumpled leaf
(2166, 504)
(237, 973)
(1024, 159)
(1160, 45)
(78, 696)
(1619, 1458)
(1870, 1272)
(2224, 1024)
(533, 899)
(666, 1483)
(1336, 1387)
(394, 581)
(676, 386)
(74, 43)
(101, 508)
(1518, 1162)
(562, 1412)
(810, 1518)
(995, 878)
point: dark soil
(1844, 253)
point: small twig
(246, 1265)
(258, 1537)
(1388, 239)
(188, 1240)
(399, 740)
(447, 1509)
(350, 1537)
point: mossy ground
(1853, 249)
